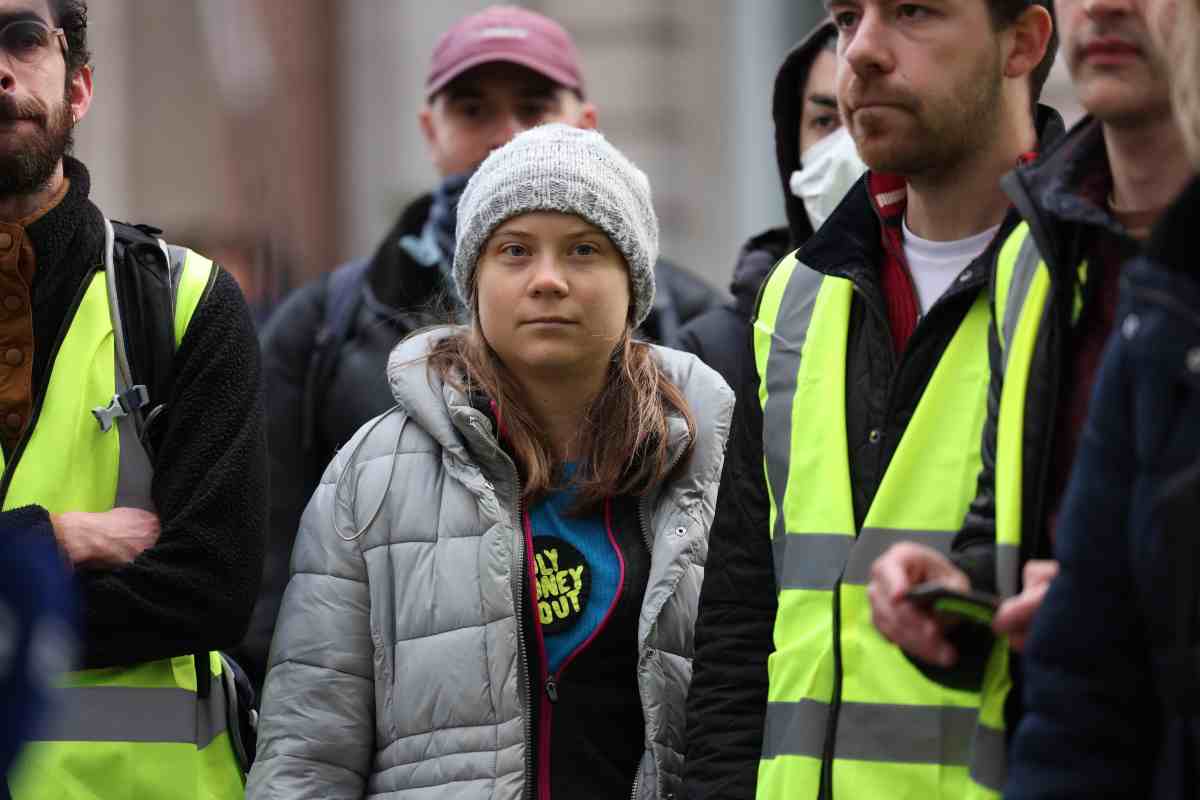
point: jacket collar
(1068, 184)
(395, 279)
(53, 234)
(1173, 242)
(848, 244)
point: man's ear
(1031, 35)
(79, 93)
(425, 120)
(588, 118)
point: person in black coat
(1112, 679)
(805, 113)
(1112, 683)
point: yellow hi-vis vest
(1022, 290)
(841, 698)
(140, 731)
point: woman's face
(553, 296)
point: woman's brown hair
(624, 443)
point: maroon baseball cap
(505, 33)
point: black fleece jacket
(193, 590)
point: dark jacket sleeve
(715, 338)
(288, 339)
(974, 549)
(728, 697)
(692, 337)
(1088, 692)
(194, 589)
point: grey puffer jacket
(397, 669)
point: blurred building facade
(281, 135)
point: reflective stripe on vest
(1022, 290)
(142, 730)
(897, 733)
(1022, 287)
(134, 732)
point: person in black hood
(805, 112)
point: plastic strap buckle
(123, 404)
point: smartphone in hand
(977, 608)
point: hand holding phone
(977, 608)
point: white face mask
(830, 168)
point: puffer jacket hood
(787, 109)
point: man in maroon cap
(492, 75)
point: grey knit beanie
(561, 168)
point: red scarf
(889, 195)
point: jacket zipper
(519, 568)
(10, 466)
(549, 694)
(642, 519)
(644, 502)
(550, 680)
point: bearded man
(872, 392)
(131, 432)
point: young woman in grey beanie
(494, 587)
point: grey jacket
(397, 669)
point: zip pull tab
(552, 689)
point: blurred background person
(1112, 676)
(494, 586)
(818, 165)
(39, 628)
(1089, 204)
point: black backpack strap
(141, 307)
(343, 296)
(143, 278)
(145, 295)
